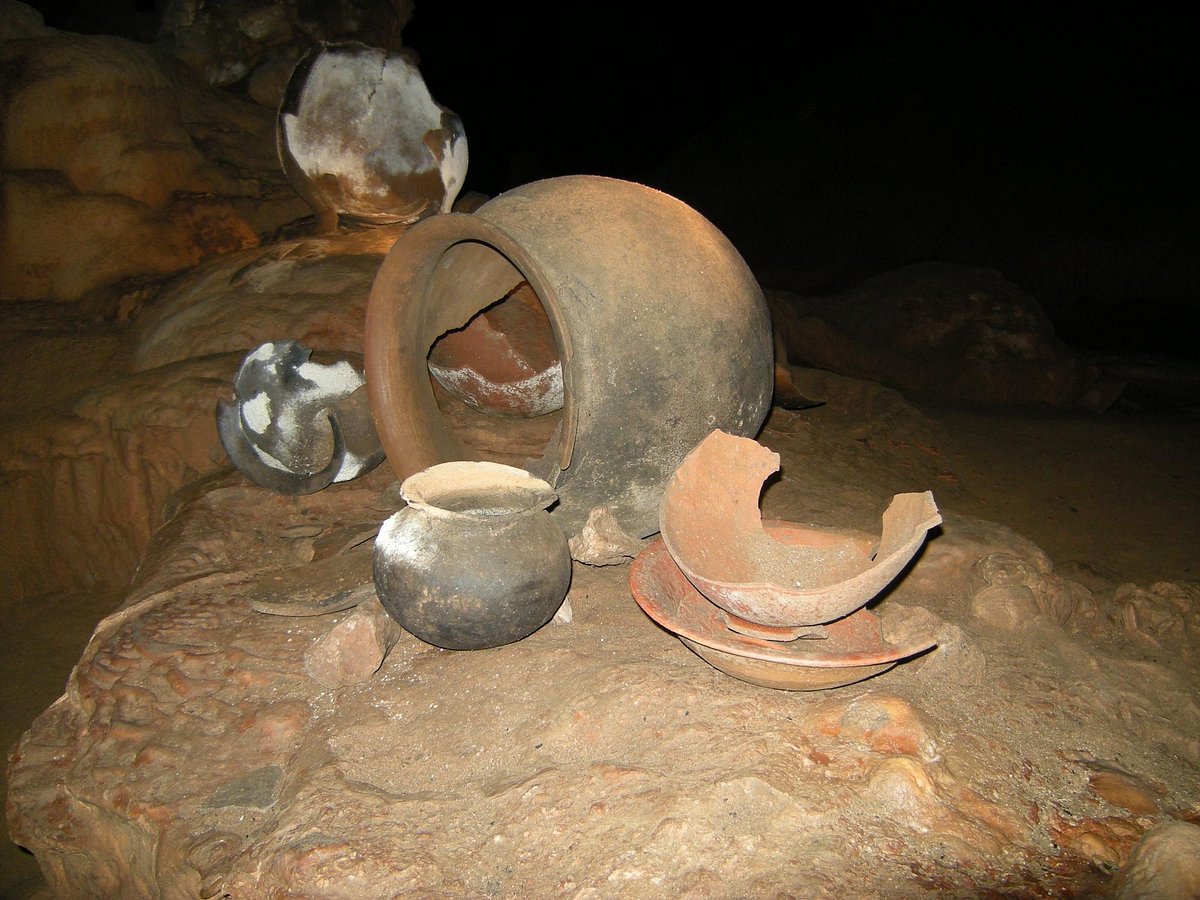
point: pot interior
(493, 354)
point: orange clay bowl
(711, 524)
(839, 653)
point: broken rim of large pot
(465, 489)
(713, 528)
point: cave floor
(1111, 498)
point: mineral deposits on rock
(1010, 592)
(1005, 606)
(920, 797)
(225, 42)
(91, 478)
(957, 658)
(116, 163)
(1162, 615)
(312, 290)
(89, 482)
(1165, 865)
(1125, 790)
(885, 723)
(203, 747)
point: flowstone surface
(204, 748)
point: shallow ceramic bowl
(839, 653)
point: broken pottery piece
(343, 540)
(839, 653)
(713, 528)
(297, 425)
(360, 135)
(505, 361)
(474, 560)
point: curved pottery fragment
(837, 654)
(297, 425)
(504, 362)
(712, 527)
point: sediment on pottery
(298, 423)
(344, 97)
(474, 560)
(712, 526)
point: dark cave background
(833, 143)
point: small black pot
(474, 560)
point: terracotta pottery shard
(712, 526)
(504, 361)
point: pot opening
(477, 489)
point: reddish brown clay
(504, 362)
(842, 652)
(712, 526)
(625, 276)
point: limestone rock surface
(95, 444)
(88, 484)
(116, 163)
(1164, 865)
(310, 290)
(226, 42)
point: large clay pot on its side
(662, 331)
